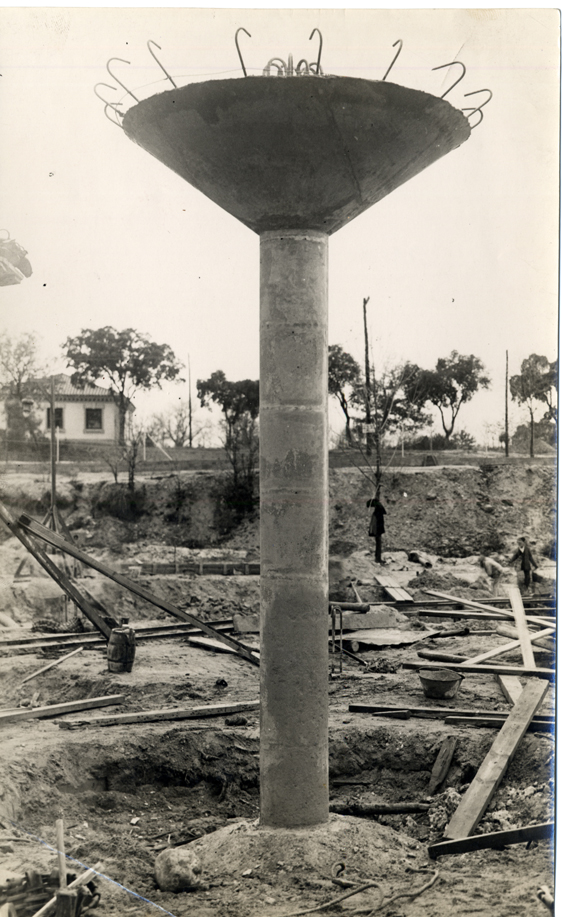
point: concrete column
(294, 528)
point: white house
(82, 415)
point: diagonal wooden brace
(58, 575)
(35, 528)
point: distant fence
(75, 458)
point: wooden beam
(51, 568)
(500, 612)
(155, 716)
(494, 722)
(58, 542)
(51, 665)
(484, 669)
(521, 625)
(510, 686)
(509, 648)
(58, 709)
(490, 773)
(547, 643)
(544, 831)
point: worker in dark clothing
(528, 562)
(376, 526)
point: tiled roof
(64, 386)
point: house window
(94, 419)
(59, 425)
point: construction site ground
(127, 792)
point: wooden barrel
(121, 650)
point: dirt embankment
(452, 512)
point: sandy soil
(127, 792)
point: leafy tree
(344, 381)
(127, 360)
(240, 404)
(451, 384)
(20, 369)
(235, 399)
(534, 386)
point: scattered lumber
(521, 625)
(547, 643)
(392, 588)
(59, 709)
(510, 686)
(367, 810)
(81, 880)
(438, 713)
(156, 716)
(544, 831)
(486, 669)
(537, 724)
(442, 764)
(508, 648)
(30, 525)
(502, 612)
(54, 572)
(51, 665)
(475, 801)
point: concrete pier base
(294, 528)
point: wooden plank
(510, 686)
(544, 831)
(81, 880)
(54, 572)
(501, 612)
(155, 716)
(394, 589)
(473, 615)
(368, 810)
(432, 712)
(494, 722)
(547, 643)
(57, 542)
(51, 665)
(521, 625)
(58, 709)
(442, 763)
(507, 648)
(484, 669)
(490, 773)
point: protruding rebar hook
(478, 109)
(241, 29)
(117, 80)
(395, 58)
(109, 118)
(101, 98)
(318, 71)
(452, 64)
(275, 62)
(162, 68)
(302, 68)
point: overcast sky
(462, 257)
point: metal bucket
(440, 682)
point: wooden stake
(442, 764)
(51, 665)
(61, 853)
(476, 799)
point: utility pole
(506, 411)
(367, 376)
(53, 457)
(189, 401)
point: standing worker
(376, 525)
(528, 562)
